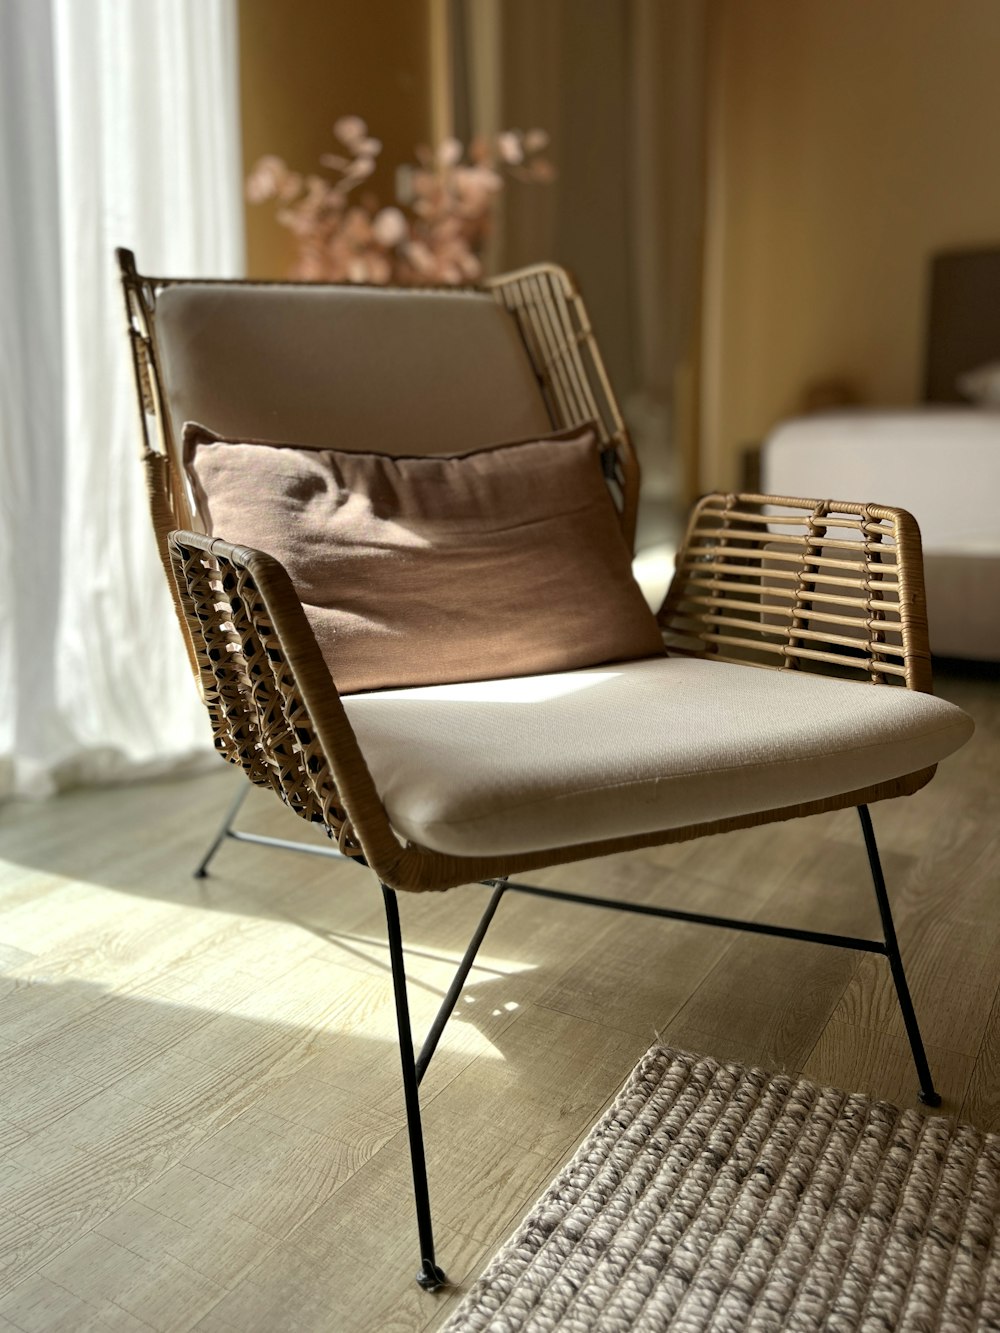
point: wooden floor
(201, 1122)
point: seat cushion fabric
(512, 766)
(358, 368)
(505, 562)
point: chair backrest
(368, 369)
(392, 370)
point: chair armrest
(820, 585)
(274, 708)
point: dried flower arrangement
(436, 237)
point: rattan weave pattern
(715, 1197)
(788, 582)
(259, 719)
(560, 342)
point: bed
(941, 460)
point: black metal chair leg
(928, 1093)
(202, 868)
(430, 1276)
(455, 989)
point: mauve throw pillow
(415, 571)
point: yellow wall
(848, 140)
(303, 63)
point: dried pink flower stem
(438, 236)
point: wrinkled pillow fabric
(414, 571)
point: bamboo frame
(771, 581)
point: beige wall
(848, 140)
(305, 63)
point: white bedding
(940, 463)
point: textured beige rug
(712, 1196)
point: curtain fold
(620, 88)
(124, 131)
(30, 385)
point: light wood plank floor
(201, 1123)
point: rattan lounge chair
(829, 594)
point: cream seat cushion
(518, 765)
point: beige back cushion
(359, 369)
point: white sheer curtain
(118, 126)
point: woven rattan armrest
(824, 585)
(273, 707)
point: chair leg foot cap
(430, 1277)
(931, 1098)
(199, 873)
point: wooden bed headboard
(963, 323)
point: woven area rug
(711, 1196)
